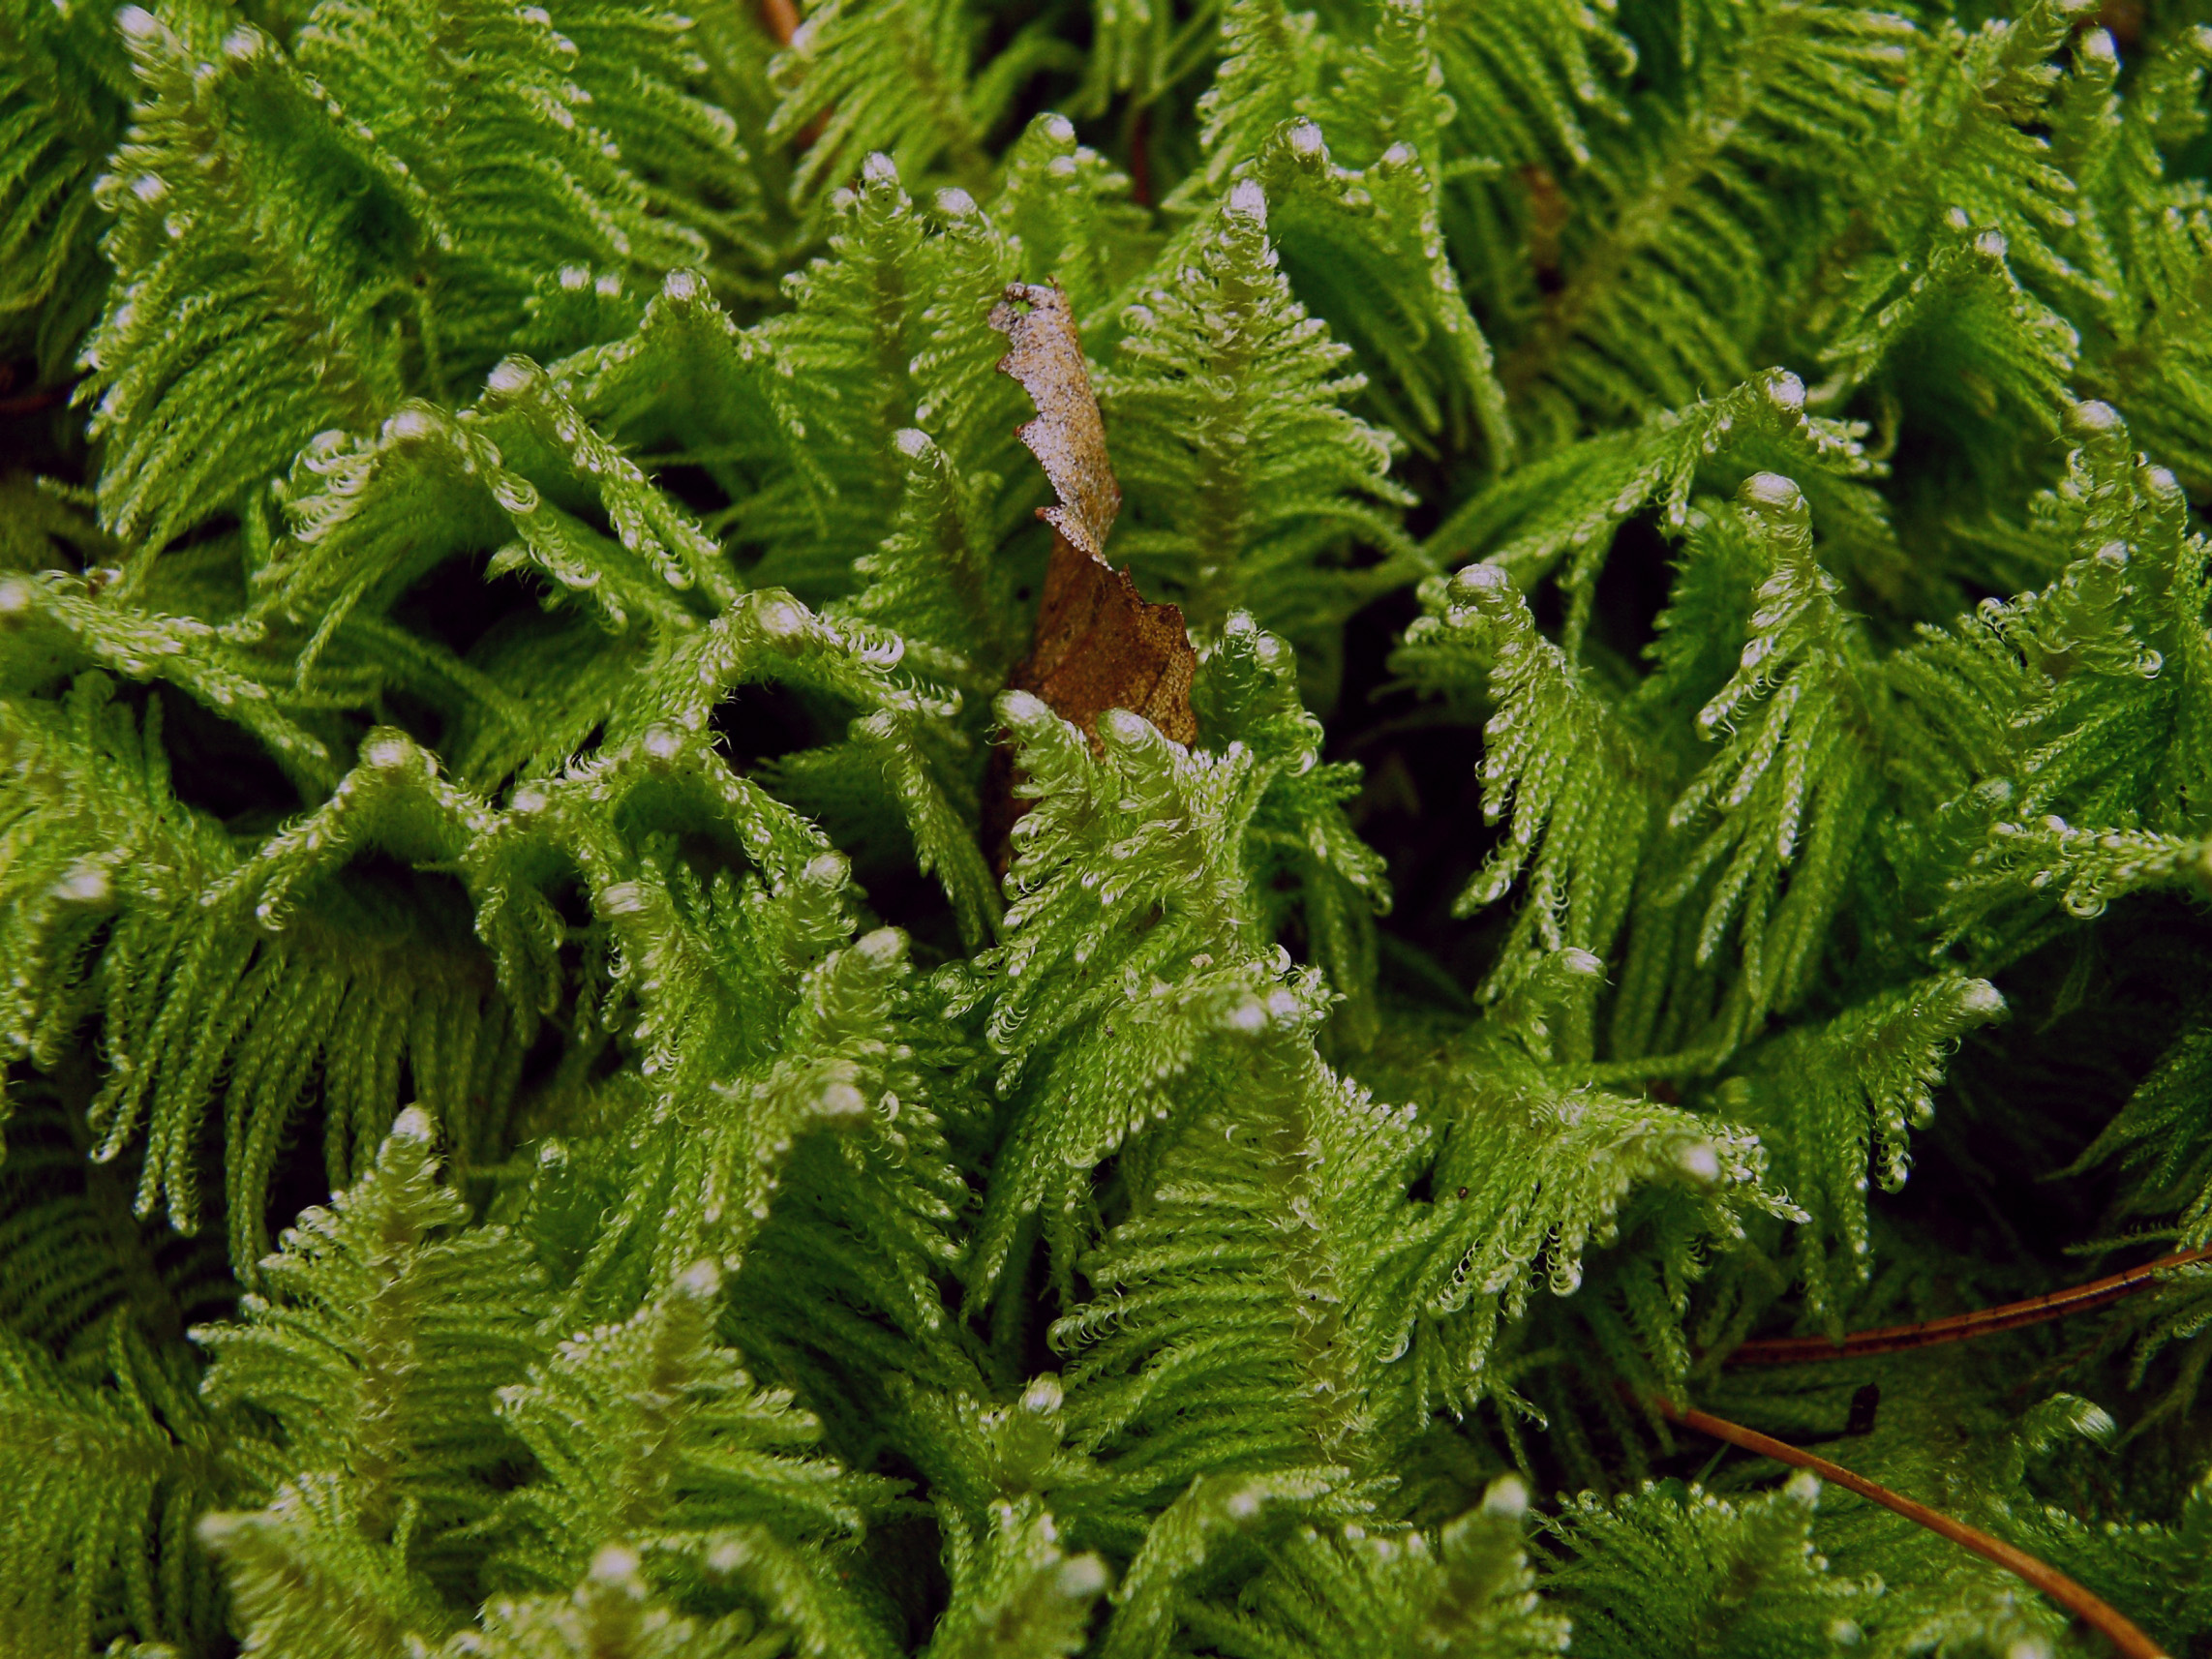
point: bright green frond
(1356, 1591)
(107, 1480)
(382, 1328)
(65, 92)
(1840, 1098)
(649, 1431)
(1577, 778)
(1670, 1570)
(611, 1613)
(1245, 478)
(1529, 1179)
(309, 1579)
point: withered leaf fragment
(1067, 438)
(1098, 644)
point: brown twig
(1140, 146)
(31, 403)
(780, 18)
(1963, 1327)
(2115, 1627)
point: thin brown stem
(31, 403)
(2108, 1620)
(1964, 1327)
(780, 18)
(1137, 136)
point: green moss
(538, 1124)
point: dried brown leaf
(1099, 645)
(1046, 356)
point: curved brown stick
(1963, 1327)
(2109, 1621)
(780, 18)
(31, 403)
